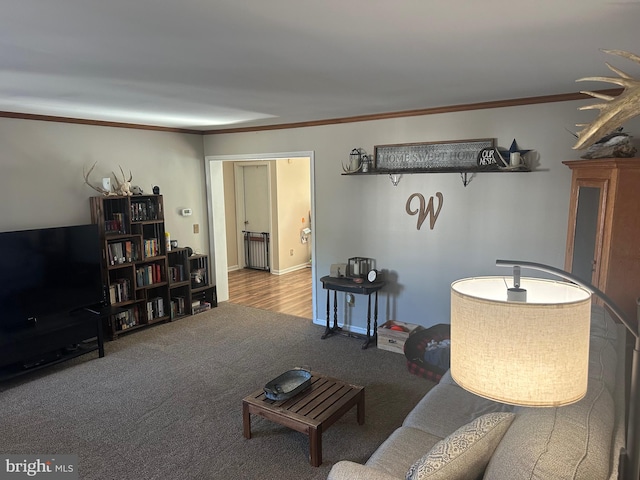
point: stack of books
(177, 307)
(126, 319)
(198, 306)
(155, 308)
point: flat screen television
(47, 273)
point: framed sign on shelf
(455, 155)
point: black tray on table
(288, 384)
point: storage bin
(393, 340)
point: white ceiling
(214, 64)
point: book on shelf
(155, 308)
(122, 252)
(113, 226)
(176, 273)
(148, 275)
(151, 247)
(119, 291)
(116, 224)
(201, 307)
(127, 319)
(177, 306)
(112, 259)
(128, 250)
(142, 279)
(144, 210)
(116, 254)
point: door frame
(216, 214)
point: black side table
(343, 284)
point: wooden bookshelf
(190, 288)
(134, 272)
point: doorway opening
(292, 233)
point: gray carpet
(165, 402)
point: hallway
(289, 293)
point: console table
(344, 284)
(50, 341)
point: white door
(256, 198)
(253, 213)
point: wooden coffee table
(310, 412)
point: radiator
(256, 250)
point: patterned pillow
(466, 452)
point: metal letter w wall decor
(425, 209)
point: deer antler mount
(614, 111)
(121, 187)
(97, 189)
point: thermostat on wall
(185, 212)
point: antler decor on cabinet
(614, 111)
(122, 188)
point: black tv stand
(51, 340)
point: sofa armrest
(345, 470)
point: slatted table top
(310, 412)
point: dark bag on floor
(414, 350)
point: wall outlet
(291, 252)
(196, 228)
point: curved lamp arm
(572, 278)
(632, 455)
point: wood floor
(289, 293)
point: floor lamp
(532, 316)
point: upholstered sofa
(454, 434)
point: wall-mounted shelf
(464, 172)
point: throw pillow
(466, 452)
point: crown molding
(562, 97)
(99, 123)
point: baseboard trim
(347, 328)
(290, 269)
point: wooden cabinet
(603, 239)
(135, 263)
(190, 288)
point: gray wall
(498, 215)
(507, 215)
(42, 184)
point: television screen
(47, 272)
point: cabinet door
(584, 252)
